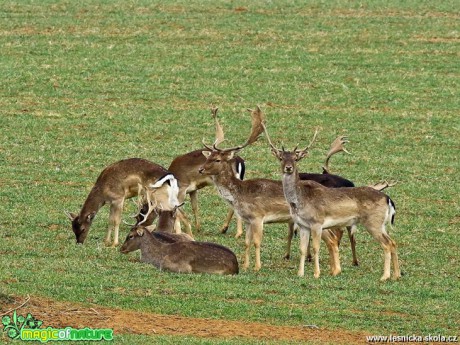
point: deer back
(327, 180)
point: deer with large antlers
(316, 208)
(186, 169)
(120, 181)
(257, 201)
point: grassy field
(84, 84)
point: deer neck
(93, 202)
(151, 250)
(292, 189)
(227, 184)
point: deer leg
(247, 243)
(227, 221)
(309, 257)
(304, 238)
(387, 243)
(289, 241)
(332, 242)
(257, 233)
(114, 222)
(351, 235)
(182, 217)
(194, 202)
(394, 258)
(316, 232)
(239, 227)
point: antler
(256, 130)
(141, 201)
(269, 141)
(383, 185)
(219, 130)
(309, 145)
(336, 146)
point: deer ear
(206, 153)
(71, 215)
(91, 216)
(140, 231)
(300, 154)
(276, 153)
(230, 154)
(149, 228)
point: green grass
(84, 84)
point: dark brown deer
(118, 182)
(180, 256)
(316, 208)
(257, 201)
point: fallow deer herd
(320, 205)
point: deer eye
(130, 237)
(218, 160)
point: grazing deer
(257, 201)
(180, 256)
(315, 207)
(118, 182)
(186, 169)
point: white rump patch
(240, 170)
(173, 189)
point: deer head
(81, 224)
(289, 159)
(216, 156)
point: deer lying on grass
(185, 168)
(118, 182)
(180, 256)
(257, 201)
(315, 207)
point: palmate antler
(256, 129)
(336, 147)
(383, 185)
(219, 130)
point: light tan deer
(186, 169)
(148, 211)
(333, 181)
(257, 201)
(118, 182)
(315, 208)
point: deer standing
(186, 169)
(334, 181)
(118, 182)
(315, 207)
(257, 201)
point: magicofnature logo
(28, 328)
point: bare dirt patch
(65, 314)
